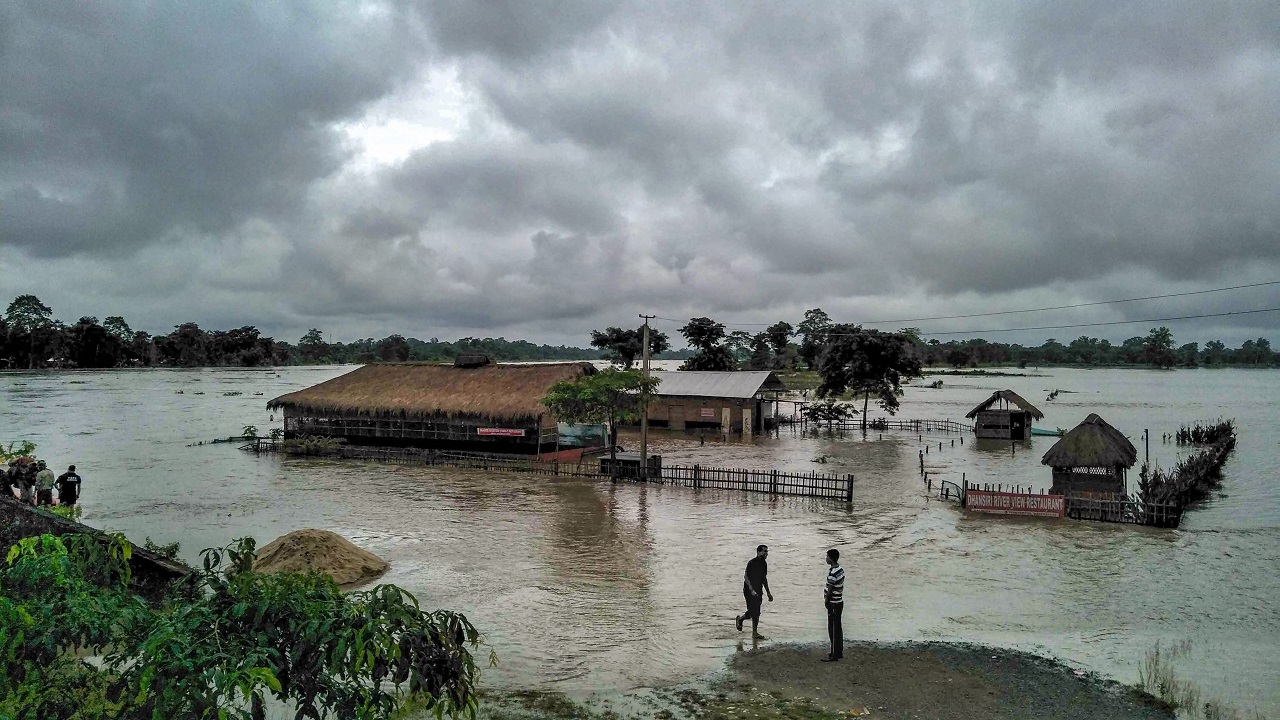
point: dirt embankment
(323, 551)
(944, 681)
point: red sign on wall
(1015, 503)
(501, 432)
(707, 412)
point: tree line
(782, 346)
(31, 337)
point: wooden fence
(772, 482)
(880, 424)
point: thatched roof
(1092, 443)
(1010, 397)
(495, 391)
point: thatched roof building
(1092, 457)
(469, 405)
(1007, 397)
(494, 391)
(1004, 416)
(1093, 443)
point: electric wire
(1042, 309)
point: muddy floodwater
(582, 585)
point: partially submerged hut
(471, 405)
(1005, 415)
(1092, 457)
(724, 400)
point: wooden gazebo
(1005, 415)
(1092, 457)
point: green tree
(312, 348)
(1189, 354)
(707, 337)
(1157, 348)
(780, 336)
(393, 348)
(741, 345)
(1214, 352)
(761, 353)
(812, 332)
(28, 314)
(116, 326)
(623, 347)
(609, 397)
(867, 363)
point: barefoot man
(755, 582)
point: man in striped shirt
(833, 594)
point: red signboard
(708, 412)
(501, 432)
(1015, 503)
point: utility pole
(644, 402)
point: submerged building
(1093, 457)
(724, 401)
(471, 405)
(1004, 416)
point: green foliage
(228, 640)
(610, 396)
(311, 445)
(707, 337)
(828, 411)
(869, 363)
(169, 552)
(623, 347)
(249, 431)
(70, 512)
(16, 449)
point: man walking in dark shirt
(755, 584)
(833, 597)
(68, 486)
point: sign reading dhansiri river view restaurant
(1015, 503)
(503, 432)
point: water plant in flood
(1192, 478)
(1205, 434)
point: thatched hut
(1092, 457)
(470, 405)
(1004, 416)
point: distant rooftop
(698, 383)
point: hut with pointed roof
(1004, 416)
(1093, 457)
(471, 405)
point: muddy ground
(903, 681)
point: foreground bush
(224, 642)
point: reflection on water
(587, 585)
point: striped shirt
(834, 592)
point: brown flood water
(582, 585)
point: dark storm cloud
(747, 161)
(124, 123)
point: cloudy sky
(536, 169)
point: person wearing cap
(68, 486)
(44, 485)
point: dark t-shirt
(68, 481)
(757, 569)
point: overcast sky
(536, 170)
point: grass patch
(1160, 684)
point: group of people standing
(755, 586)
(34, 483)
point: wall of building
(464, 433)
(703, 413)
(999, 424)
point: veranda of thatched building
(471, 405)
(1092, 457)
(1004, 416)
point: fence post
(773, 483)
(848, 489)
(921, 462)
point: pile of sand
(322, 551)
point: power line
(1031, 310)
(1114, 322)
(1077, 325)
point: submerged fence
(913, 425)
(771, 482)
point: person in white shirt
(833, 597)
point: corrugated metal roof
(698, 383)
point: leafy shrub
(222, 643)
